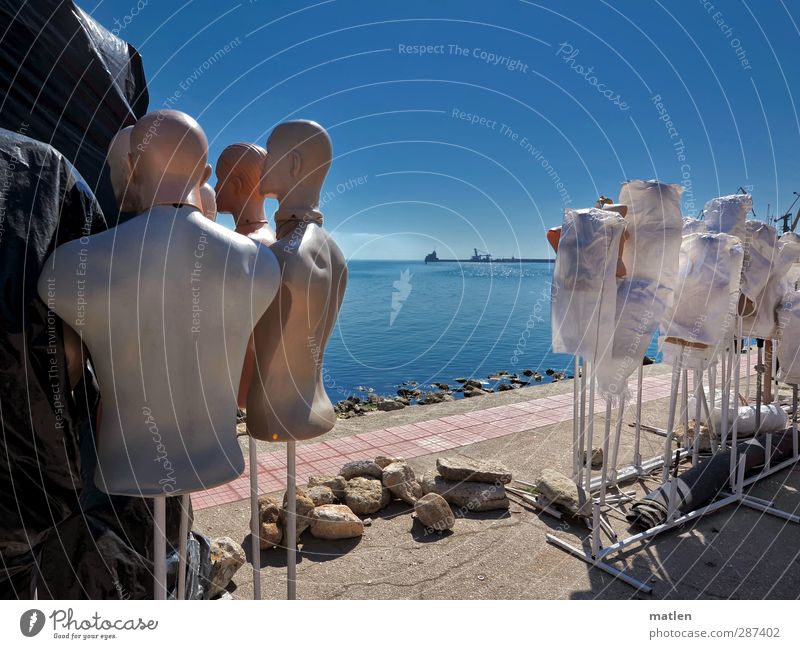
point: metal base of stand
(255, 520)
(291, 522)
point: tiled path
(411, 440)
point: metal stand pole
(698, 397)
(617, 436)
(582, 424)
(255, 520)
(637, 452)
(576, 423)
(673, 399)
(159, 548)
(291, 522)
(749, 367)
(182, 543)
(589, 437)
(606, 437)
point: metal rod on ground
(255, 520)
(698, 394)
(637, 452)
(159, 548)
(673, 399)
(604, 468)
(617, 436)
(182, 543)
(291, 522)
(589, 436)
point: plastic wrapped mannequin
(789, 344)
(583, 293)
(700, 320)
(650, 260)
(690, 225)
(761, 252)
(153, 320)
(727, 215)
(287, 398)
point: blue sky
(461, 124)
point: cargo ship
(479, 256)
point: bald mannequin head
(168, 159)
(120, 171)
(299, 155)
(209, 198)
(239, 170)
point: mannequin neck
(251, 216)
(287, 219)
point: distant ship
(479, 256)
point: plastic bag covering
(789, 339)
(43, 203)
(764, 322)
(727, 214)
(583, 292)
(773, 417)
(706, 295)
(690, 225)
(650, 257)
(69, 82)
(760, 253)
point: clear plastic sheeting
(789, 339)
(761, 250)
(706, 294)
(690, 225)
(584, 289)
(650, 257)
(764, 322)
(727, 214)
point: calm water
(431, 323)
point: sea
(407, 321)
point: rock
(373, 398)
(557, 489)
(398, 478)
(335, 483)
(271, 528)
(504, 387)
(527, 373)
(463, 468)
(433, 511)
(473, 392)
(549, 371)
(383, 461)
(472, 383)
(227, 556)
(537, 376)
(471, 496)
(403, 400)
(461, 380)
(408, 393)
(367, 522)
(366, 495)
(361, 469)
(335, 522)
(597, 457)
(435, 397)
(321, 495)
(305, 506)
(441, 386)
(387, 405)
(518, 381)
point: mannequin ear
(131, 168)
(206, 175)
(236, 184)
(295, 162)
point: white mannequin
(287, 398)
(209, 199)
(149, 299)
(118, 152)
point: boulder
(305, 506)
(335, 483)
(474, 392)
(472, 383)
(387, 405)
(361, 469)
(384, 460)
(597, 457)
(433, 512)
(366, 495)
(321, 495)
(463, 468)
(399, 479)
(227, 556)
(527, 372)
(557, 489)
(335, 522)
(271, 529)
(504, 387)
(470, 496)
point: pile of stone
(469, 485)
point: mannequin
(238, 189)
(158, 341)
(209, 199)
(120, 173)
(287, 399)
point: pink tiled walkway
(411, 440)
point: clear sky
(461, 123)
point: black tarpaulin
(68, 82)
